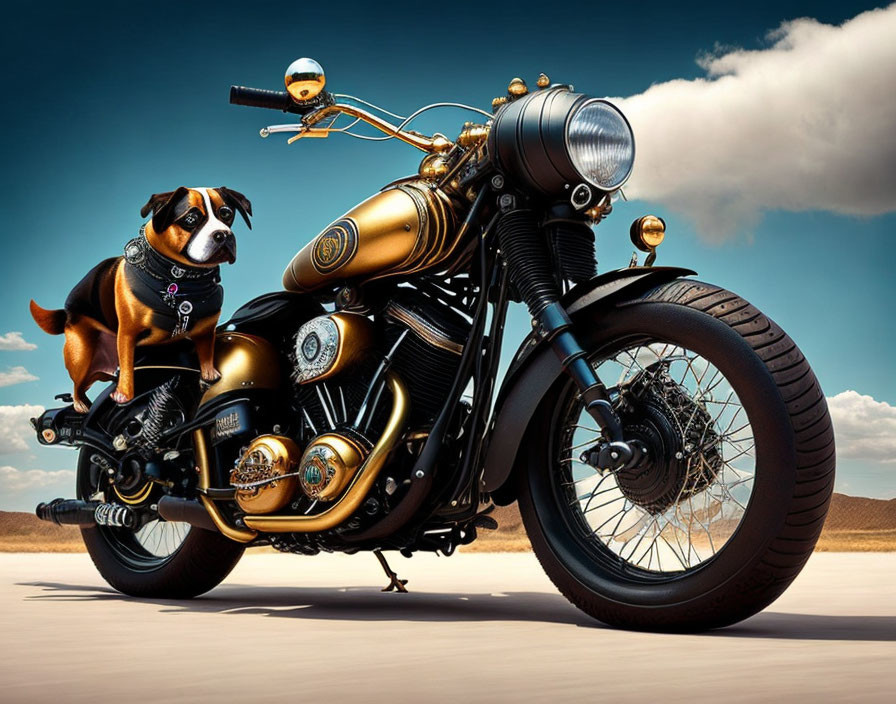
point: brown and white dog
(166, 287)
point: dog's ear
(161, 205)
(238, 201)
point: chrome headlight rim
(572, 154)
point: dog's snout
(220, 235)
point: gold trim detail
(134, 499)
(422, 329)
(359, 486)
(517, 88)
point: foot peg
(395, 584)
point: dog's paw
(81, 407)
(210, 376)
(119, 397)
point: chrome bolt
(614, 455)
(679, 455)
(497, 182)
(419, 474)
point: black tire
(793, 482)
(199, 564)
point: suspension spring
(114, 516)
(158, 411)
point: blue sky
(105, 104)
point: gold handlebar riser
(437, 144)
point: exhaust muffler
(86, 513)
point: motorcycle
(668, 445)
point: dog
(166, 287)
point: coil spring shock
(158, 410)
(114, 515)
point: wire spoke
(676, 532)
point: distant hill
(854, 524)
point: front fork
(556, 327)
(528, 260)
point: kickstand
(394, 582)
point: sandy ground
(476, 628)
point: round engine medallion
(317, 344)
(311, 347)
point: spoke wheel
(677, 509)
(155, 541)
(727, 505)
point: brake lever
(266, 132)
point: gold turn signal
(648, 232)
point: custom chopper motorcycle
(668, 445)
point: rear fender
(535, 368)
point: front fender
(535, 368)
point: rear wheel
(159, 559)
(727, 508)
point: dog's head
(193, 225)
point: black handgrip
(260, 98)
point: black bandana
(179, 295)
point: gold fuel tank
(409, 227)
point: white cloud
(864, 429)
(16, 375)
(15, 428)
(14, 481)
(805, 124)
(15, 341)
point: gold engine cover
(258, 488)
(330, 462)
(406, 228)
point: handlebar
(312, 115)
(260, 98)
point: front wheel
(730, 502)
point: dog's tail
(50, 321)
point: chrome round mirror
(304, 80)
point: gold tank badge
(335, 246)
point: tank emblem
(335, 246)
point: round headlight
(601, 144)
(552, 140)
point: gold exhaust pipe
(237, 534)
(357, 490)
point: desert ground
(475, 628)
